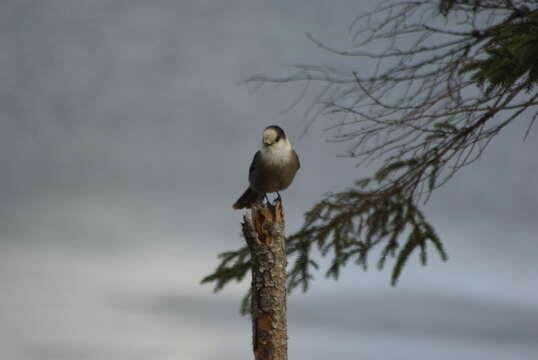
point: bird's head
(272, 135)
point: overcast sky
(124, 140)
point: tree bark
(264, 233)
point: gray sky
(124, 140)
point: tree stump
(263, 230)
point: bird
(273, 168)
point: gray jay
(273, 168)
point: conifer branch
(453, 75)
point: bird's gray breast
(273, 171)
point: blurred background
(124, 140)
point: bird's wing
(297, 158)
(253, 163)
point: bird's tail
(249, 198)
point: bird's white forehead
(270, 134)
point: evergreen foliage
(511, 54)
(453, 75)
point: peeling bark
(264, 233)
